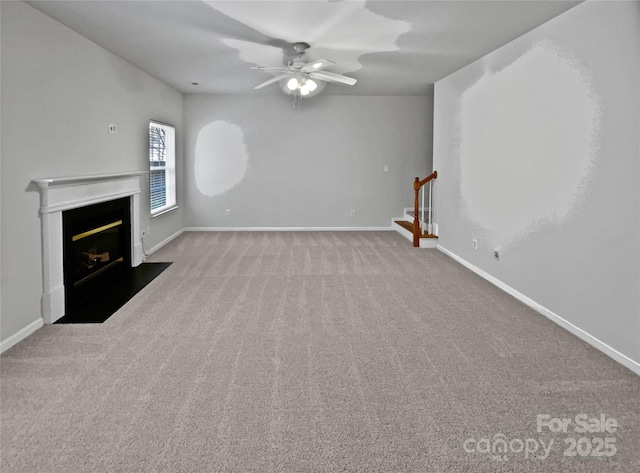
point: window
(162, 167)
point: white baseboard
(575, 330)
(286, 229)
(165, 241)
(20, 335)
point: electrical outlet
(386, 168)
(228, 212)
(475, 244)
(353, 213)
(496, 254)
(112, 128)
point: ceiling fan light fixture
(307, 86)
(301, 85)
(311, 85)
(293, 84)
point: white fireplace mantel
(58, 194)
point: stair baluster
(417, 184)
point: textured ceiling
(391, 47)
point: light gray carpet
(308, 352)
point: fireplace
(65, 195)
(96, 249)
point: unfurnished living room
(320, 236)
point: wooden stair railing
(417, 185)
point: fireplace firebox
(96, 249)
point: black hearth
(98, 277)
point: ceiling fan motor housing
(301, 47)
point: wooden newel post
(416, 205)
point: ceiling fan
(304, 79)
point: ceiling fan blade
(332, 77)
(317, 65)
(278, 68)
(272, 80)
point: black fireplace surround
(96, 249)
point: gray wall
(555, 186)
(276, 166)
(59, 93)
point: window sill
(163, 212)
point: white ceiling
(391, 47)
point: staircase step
(405, 228)
(409, 226)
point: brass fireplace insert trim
(93, 231)
(94, 274)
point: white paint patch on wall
(339, 31)
(529, 139)
(221, 158)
